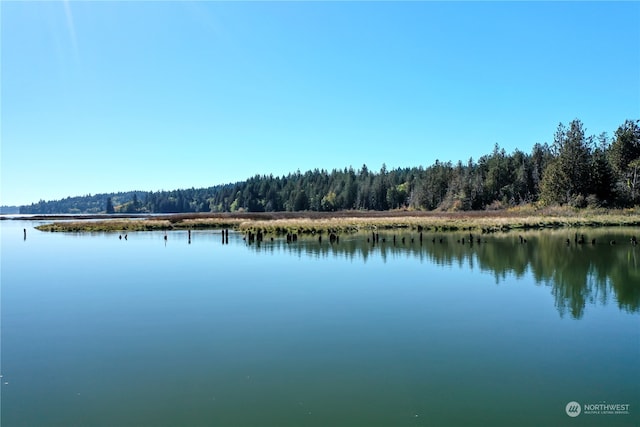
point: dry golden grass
(528, 217)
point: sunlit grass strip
(112, 225)
(445, 223)
(342, 222)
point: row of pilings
(251, 237)
(583, 240)
(225, 237)
(374, 238)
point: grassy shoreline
(352, 221)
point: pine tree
(566, 178)
(109, 207)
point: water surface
(102, 331)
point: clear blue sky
(115, 96)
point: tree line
(577, 169)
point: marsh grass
(113, 225)
(524, 217)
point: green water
(99, 331)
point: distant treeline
(8, 210)
(576, 169)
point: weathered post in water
(25, 233)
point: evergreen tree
(566, 179)
(109, 207)
(625, 147)
(624, 155)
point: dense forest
(576, 170)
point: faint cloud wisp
(71, 26)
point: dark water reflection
(581, 266)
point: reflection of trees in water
(577, 273)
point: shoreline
(341, 222)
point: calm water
(98, 331)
